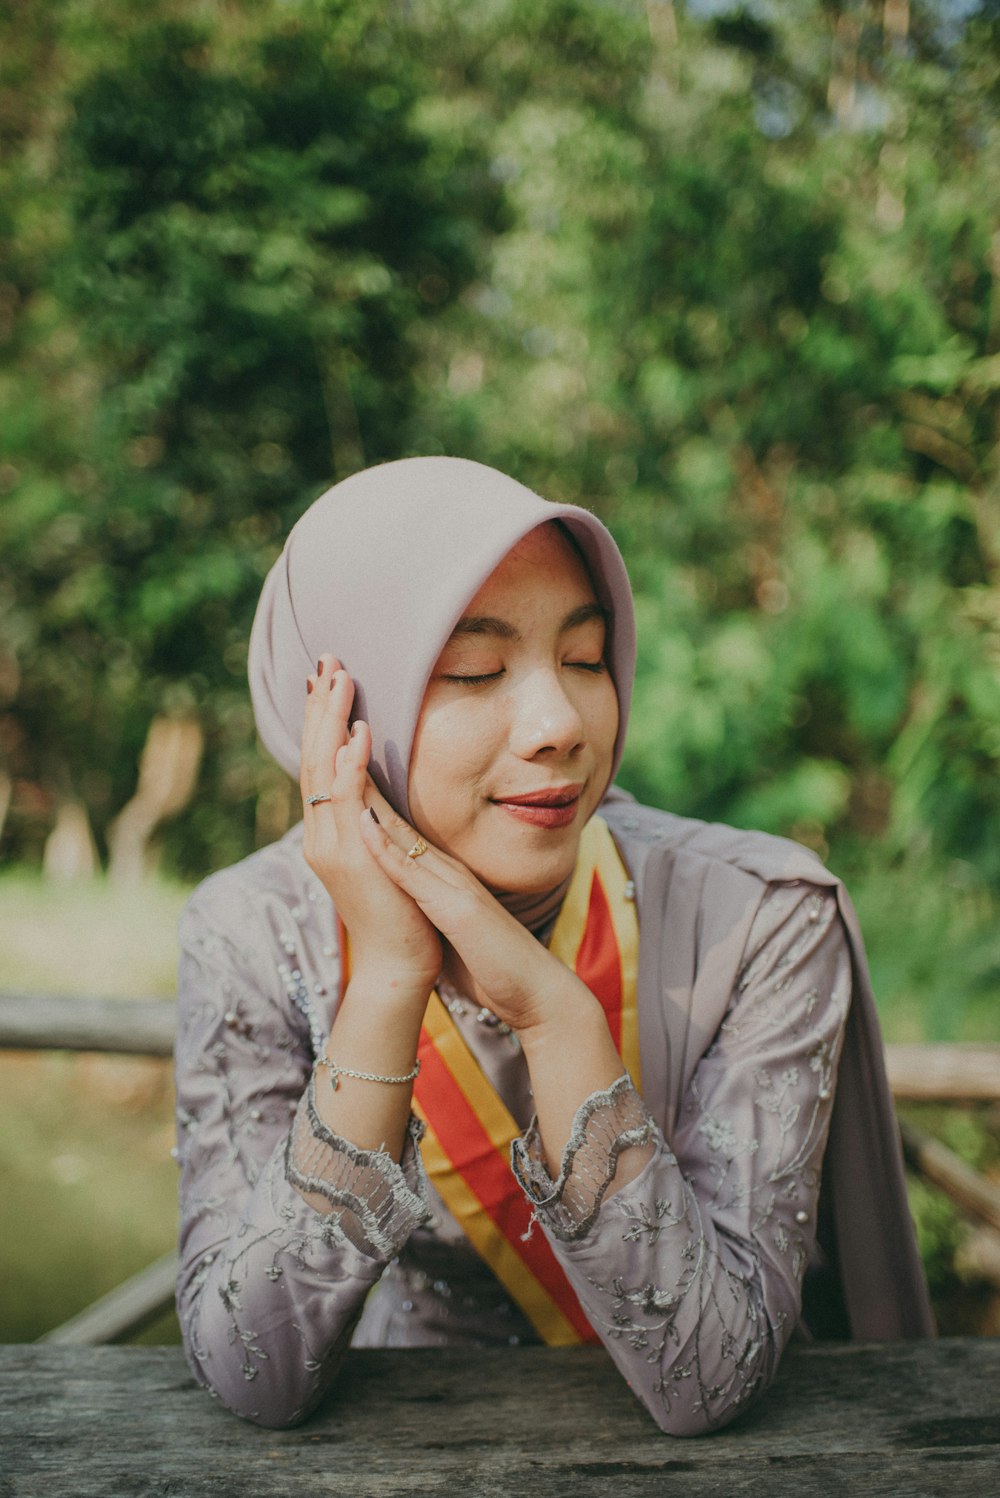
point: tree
(759, 340)
(249, 229)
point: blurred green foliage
(242, 226)
(727, 274)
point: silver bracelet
(336, 1072)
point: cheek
(603, 721)
(451, 753)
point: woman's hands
(405, 916)
(505, 967)
(392, 941)
(561, 1026)
(397, 909)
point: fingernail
(309, 685)
(371, 813)
(354, 731)
(319, 668)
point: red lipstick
(554, 807)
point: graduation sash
(469, 1130)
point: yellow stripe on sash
(503, 1257)
(598, 854)
(469, 1129)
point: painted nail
(309, 685)
(319, 668)
(371, 813)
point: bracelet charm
(336, 1072)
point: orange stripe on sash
(469, 1130)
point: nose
(546, 719)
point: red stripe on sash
(468, 1151)
(598, 963)
(487, 1173)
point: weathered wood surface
(913, 1420)
(124, 1311)
(46, 1022)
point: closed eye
(597, 667)
(476, 681)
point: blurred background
(726, 273)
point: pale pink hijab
(379, 570)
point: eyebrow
(502, 629)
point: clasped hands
(406, 916)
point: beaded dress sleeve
(271, 1284)
(692, 1272)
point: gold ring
(419, 847)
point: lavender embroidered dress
(295, 1244)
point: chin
(526, 875)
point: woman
(461, 835)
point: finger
(399, 850)
(389, 818)
(347, 792)
(351, 766)
(328, 711)
(317, 702)
(326, 668)
(404, 835)
(443, 889)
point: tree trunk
(168, 770)
(70, 852)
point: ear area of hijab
(379, 570)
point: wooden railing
(47, 1022)
(147, 1027)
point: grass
(88, 938)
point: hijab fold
(379, 570)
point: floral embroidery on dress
(714, 1280)
(690, 1271)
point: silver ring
(315, 800)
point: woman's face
(515, 740)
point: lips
(558, 795)
(554, 807)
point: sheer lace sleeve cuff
(374, 1203)
(606, 1125)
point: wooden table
(905, 1420)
